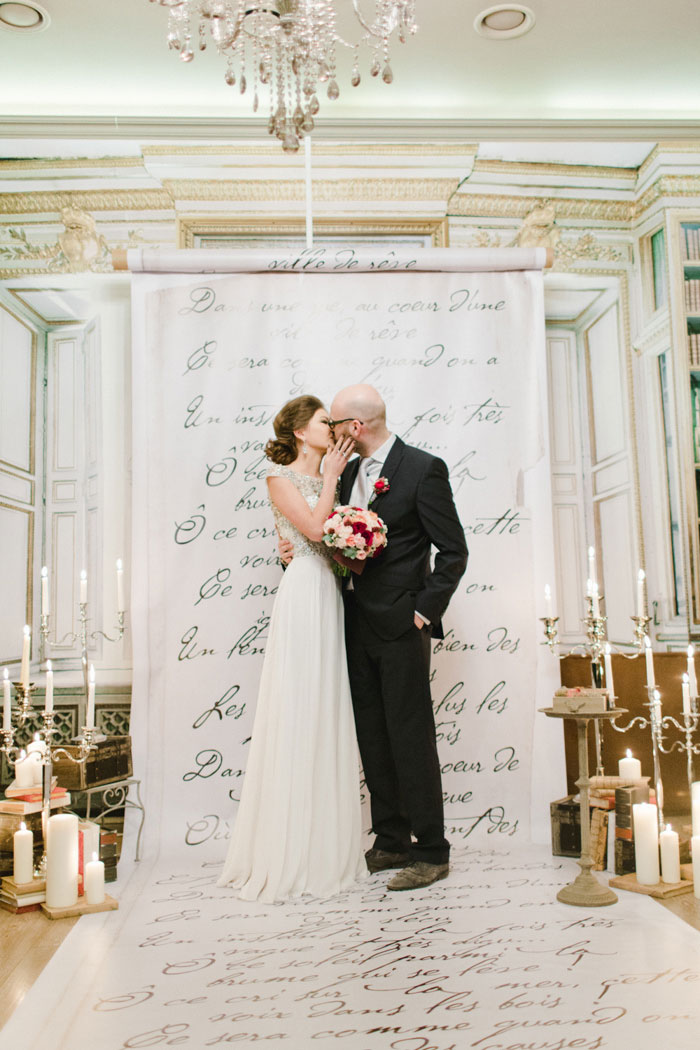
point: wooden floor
(28, 941)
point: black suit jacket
(419, 513)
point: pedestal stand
(585, 890)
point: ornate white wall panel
(606, 387)
(611, 477)
(616, 524)
(17, 367)
(567, 509)
(64, 365)
(18, 489)
(65, 570)
(16, 529)
(569, 543)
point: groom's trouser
(390, 686)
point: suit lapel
(390, 466)
(347, 480)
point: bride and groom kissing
(348, 665)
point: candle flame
(629, 753)
(44, 571)
(641, 575)
(22, 826)
(49, 666)
(94, 855)
(119, 565)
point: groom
(391, 611)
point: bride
(298, 828)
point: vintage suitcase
(110, 761)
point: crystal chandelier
(287, 47)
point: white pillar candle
(695, 854)
(608, 670)
(630, 768)
(646, 843)
(120, 586)
(26, 647)
(62, 861)
(548, 601)
(48, 703)
(691, 672)
(24, 771)
(592, 566)
(90, 714)
(6, 701)
(641, 604)
(23, 855)
(83, 587)
(35, 753)
(670, 855)
(685, 688)
(94, 881)
(44, 591)
(695, 805)
(649, 657)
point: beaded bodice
(310, 489)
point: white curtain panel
(458, 357)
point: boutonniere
(381, 486)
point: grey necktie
(362, 484)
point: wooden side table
(585, 890)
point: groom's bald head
(361, 404)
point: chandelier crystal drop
(288, 49)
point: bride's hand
(336, 459)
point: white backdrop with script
(458, 357)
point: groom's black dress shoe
(418, 874)
(380, 860)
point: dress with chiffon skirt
(298, 825)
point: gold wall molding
(320, 148)
(668, 186)
(581, 171)
(59, 163)
(190, 228)
(489, 205)
(87, 200)
(324, 190)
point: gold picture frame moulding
(203, 231)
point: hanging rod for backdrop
(330, 259)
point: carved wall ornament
(79, 246)
(538, 228)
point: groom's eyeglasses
(350, 419)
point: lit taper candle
(83, 587)
(120, 586)
(44, 591)
(26, 648)
(691, 672)
(649, 657)
(641, 603)
(90, 714)
(48, 703)
(6, 701)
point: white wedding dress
(298, 827)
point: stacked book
(109, 853)
(15, 811)
(625, 798)
(690, 242)
(21, 897)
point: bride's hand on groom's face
(337, 456)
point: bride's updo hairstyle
(292, 416)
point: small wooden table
(585, 890)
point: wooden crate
(110, 761)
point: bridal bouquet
(354, 535)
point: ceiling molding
(387, 189)
(87, 200)
(157, 128)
